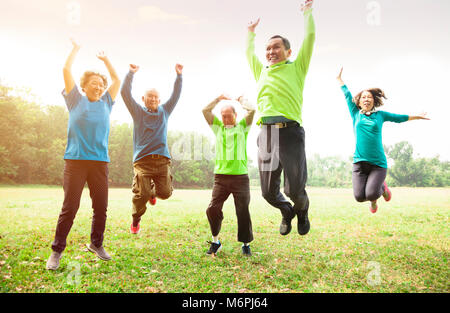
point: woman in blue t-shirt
(369, 160)
(86, 157)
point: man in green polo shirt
(281, 142)
(230, 171)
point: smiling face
(228, 116)
(151, 100)
(94, 88)
(366, 102)
(276, 51)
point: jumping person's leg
(214, 212)
(162, 178)
(98, 186)
(359, 181)
(270, 170)
(75, 175)
(293, 161)
(140, 195)
(375, 183)
(240, 187)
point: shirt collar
(279, 63)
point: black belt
(284, 124)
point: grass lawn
(404, 247)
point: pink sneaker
(387, 194)
(135, 230)
(152, 200)
(373, 207)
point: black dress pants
(239, 186)
(283, 150)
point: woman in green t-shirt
(369, 160)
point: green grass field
(404, 247)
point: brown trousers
(152, 178)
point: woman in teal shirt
(86, 158)
(369, 160)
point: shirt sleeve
(349, 98)
(305, 53)
(245, 127)
(73, 98)
(216, 125)
(255, 64)
(125, 92)
(171, 103)
(392, 117)
(107, 98)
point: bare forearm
(69, 82)
(115, 85)
(71, 58)
(111, 70)
(417, 117)
(249, 117)
(250, 110)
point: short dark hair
(377, 95)
(286, 42)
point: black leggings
(368, 181)
(76, 174)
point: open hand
(423, 116)
(102, 56)
(339, 77)
(307, 5)
(74, 43)
(244, 103)
(223, 97)
(179, 69)
(252, 25)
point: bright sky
(401, 46)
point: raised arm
(255, 64)
(115, 85)
(69, 82)
(348, 95)
(125, 91)
(339, 78)
(170, 104)
(249, 108)
(305, 53)
(207, 110)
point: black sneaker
(303, 225)
(214, 248)
(246, 250)
(285, 226)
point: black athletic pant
(368, 181)
(283, 150)
(239, 186)
(76, 174)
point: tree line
(33, 140)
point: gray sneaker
(100, 252)
(53, 261)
